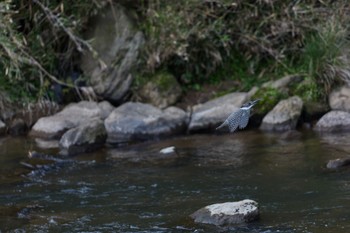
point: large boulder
(84, 138)
(284, 116)
(53, 127)
(269, 98)
(117, 44)
(340, 99)
(211, 114)
(228, 213)
(334, 121)
(138, 121)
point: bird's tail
(221, 126)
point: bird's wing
(244, 119)
(234, 120)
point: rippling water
(136, 189)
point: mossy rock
(269, 97)
(162, 90)
(164, 81)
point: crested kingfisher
(239, 118)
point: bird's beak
(254, 102)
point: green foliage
(197, 41)
(269, 97)
(322, 56)
(308, 90)
(183, 38)
(237, 68)
(40, 44)
(163, 79)
(247, 41)
(322, 61)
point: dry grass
(192, 39)
(271, 36)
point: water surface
(136, 189)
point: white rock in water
(227, 213)
(168, 150)
(231, 208)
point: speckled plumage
(239, 118)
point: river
(136, 189)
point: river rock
(284, 116)
(84, 138)
(334, 121)
(117, 44)
(228, 213)
(161, 91)
(338, 163)
(105, 109)
(53, 127)
(2, 128)
(340, 99)
(138, 121)
(211, 114)
(168, 151)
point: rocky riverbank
(156, 107)
(87, 125)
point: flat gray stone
(284, 116)
(53, 127)
(334, 121)
(228, 213)
(211, 114)
(137, 121)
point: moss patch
(164, 80)
(269, 97)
